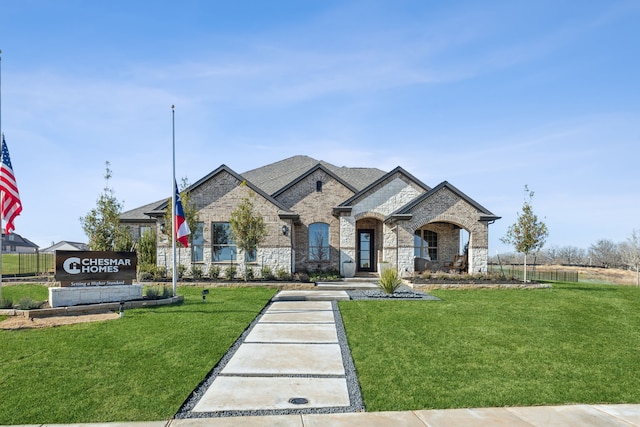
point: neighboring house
(66, 246)
(319, 215)
(15, 243)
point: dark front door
(366, 252)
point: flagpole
(173, 203)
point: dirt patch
(22, 322)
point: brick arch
(465, 223)
(369, 215)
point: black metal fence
(534, 273)
(28, 264)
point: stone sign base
(69, 296)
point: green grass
(138, 368)
(570, 344)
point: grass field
(575, 343)
(138, 368)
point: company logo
(71, 265)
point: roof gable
(304, 176)
(381, 182)
(212, 175)
(486, 215)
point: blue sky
(490, 96)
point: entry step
(315, 295)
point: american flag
(9, 197)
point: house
(319, 216)
(15, 243)
(65, 245)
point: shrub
(250, 274)
(152, 292)
(283, 274)
(6, 303)
(266, 272)
(389, 280)
(181, 270)
(167, 292)
(230, 272)
(196, 272)
(159, 272)
(26, 303)
(145, 276)
(302, 277)
(214, 272)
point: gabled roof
(318, 166)
(140, 214)
(67, 246)
(159, 209)
(406, 210)
(275, 176)
(17, 240)
(398, 170)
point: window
(250, 256)
(223, 248)
(144, 229)
(197, 243)
(425, 244)
(318, 186)
(319, 242)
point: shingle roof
(275, 176)
(140, 213)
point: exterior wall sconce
(284, 230)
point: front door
(366, 251)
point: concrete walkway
(290, 360)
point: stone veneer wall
(446, 206)
(215, 200)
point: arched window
(319, 241)
(425, 244)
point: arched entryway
(443, 244)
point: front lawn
(574, 343)
(138, 368)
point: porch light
(284, 230)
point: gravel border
(353, 386)
(404, 292)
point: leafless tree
(630, 252)
(604, 253)
(571, 255)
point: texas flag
(180, 223)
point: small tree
(528, 234)
(147, 248)
(630, 251)
(248, 229)
(102, 223)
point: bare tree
(604, 253)
(630, 252)
(571, 255)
